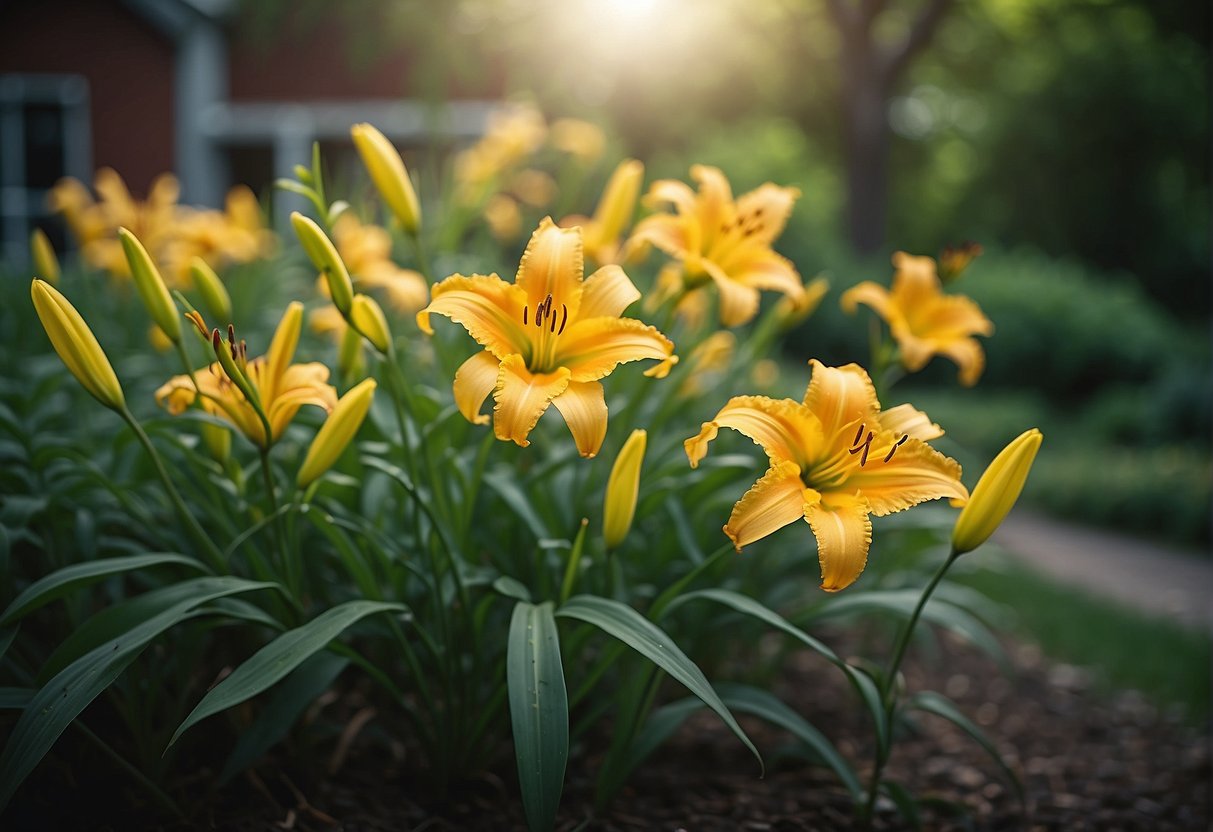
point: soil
(1088, 761)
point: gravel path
(1154, 578)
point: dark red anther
(564, 318)
(524, 312)
(893, 449)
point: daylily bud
(336, 432)
(388, 173)
(218, 442)
(323, 254)
(76, 345)
(367, 317)
(46, 265)
(349, 354)
(618, 204)
(214, 293)
(151, 286)
(996, 492)
(953, 260)
(623, 487)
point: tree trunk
(866, 136)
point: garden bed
(1088, 762)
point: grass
(1167, 662)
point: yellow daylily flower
(836, 458)
(722, 241)
(280, 386)
(513, 134)
(503, 217)
(581, 139)
(549, 337)
(613, 214)
(366, 251)
(923, 320)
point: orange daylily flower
(722, 241)
(835, 459)
(548, 338)
(923, 320)
(281, 387)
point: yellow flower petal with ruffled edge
(583, 406)
(783, 428)
(474, 380)
(592, 349)
(552, 266)
(844, 534)
(840, 396)
(489, 308)
(607, 293)
(522, 397)
(775, 501)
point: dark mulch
(1088, 760)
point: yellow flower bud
(617, 206)
(46, 265)
(367, 317)
(349, 354)
(214, 293)
(388, 173)
(336, 432)
(323, 254)
(76, 345)
(996, 492)
(150, 284)
(218, 442)
(623, 487)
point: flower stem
(191, 524)
(888, 682)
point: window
(44, 135)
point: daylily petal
(670, 233)
(671, 191)
(474, 380)
(905, 419)
(607, 293)
(869, 293)
(782, 427)
(489, 308)
(913, 474)
(776, 500)
(844, 532)
(282, 349)
(738, 303)
(764, 269)
(522, 397)
(841, 396)
(766, 209)
(592, 348)
(715, 204)
(552, 266)
(969, 357)
(915, 351)
(583, 406)
(301, 384)
(915, 283)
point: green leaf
(862, 682)
(280, 657)
(940, 705)
(512, 588)
(901, 603)
(752, 700)
(646, 638)
(507, 488)
(6, 639)
(290, 699)
(659, 727)
(906, 803)
(62, 699)
(60, 583)
(539, 711)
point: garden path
(1154, 578)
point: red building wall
(127, 63)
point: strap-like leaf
(645, 637)
(539, 711)
(752, 700)
(280, 657)
(862, 682)
(940, 705)
(296, 692)
(59, 702)
(512, 588)
(61, 582)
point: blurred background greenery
(1069, 137)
